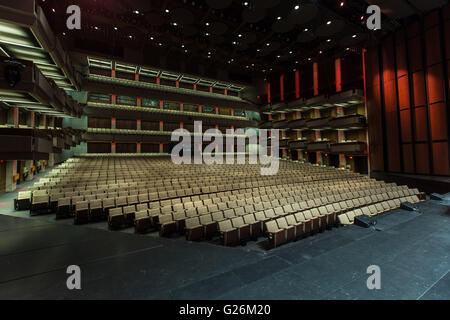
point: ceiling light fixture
(328, 22)
(296, 7)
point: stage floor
(411, 249)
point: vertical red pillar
(297, 84)
(316, 78)
(282, 87)
(177, 84)
(161, 148)
(210, 89)
(338, 74)
(113, 99)
(138, 124)
(158, 80)
(181, 106)
(138, 147)
(113, 73)
(226, 92)
(136, 77)
(113, 123)
(268, 93)
(161, 126)
(113, 147)
(195, 86)
(139, 102)
(161, 104)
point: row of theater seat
(233, 201)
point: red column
(337, 69)
(297, 84)
(316, 78)
(282, 87)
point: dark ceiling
(247, 38)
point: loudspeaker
(436, 196)
(364, 221)
(408, 206)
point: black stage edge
(424, 183)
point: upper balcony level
(162, 85)
(25, 34)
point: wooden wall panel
(422, 158)
(403, 92)
(440, 158)
(438, 114)
(415, 98)
(435, 84)
(421, 125)
(374, 126)
(408, 161)
(433, 46)
(405, 123)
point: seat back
(271, 226)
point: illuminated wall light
(306, 29)
(328, 22)
(167, 10)
(296, 7)
(354, 36)
(342, 3)
(278, 18)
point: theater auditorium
(225, 149)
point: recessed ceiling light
(239, 35)
(136, 11)
(320, 52)
(207, 34)
(267, 44)
(131, 37)
(278, 56)
(342, 3)
(96, 28)
(278, 18)
(296, 7)
(207, 24)
(328, 22)
(151, 38)
(258, 50)
(354, 36)
(306, 29)
(347, 49)
(160, 44)
(167, 11)
(115, 28)
(245, 3)
(175, 24)
(328, 40)
(309, 59)
(63, 33)
(291, 52)
(185, 51)
(234, 42)
(182, 45)
(53, 10)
